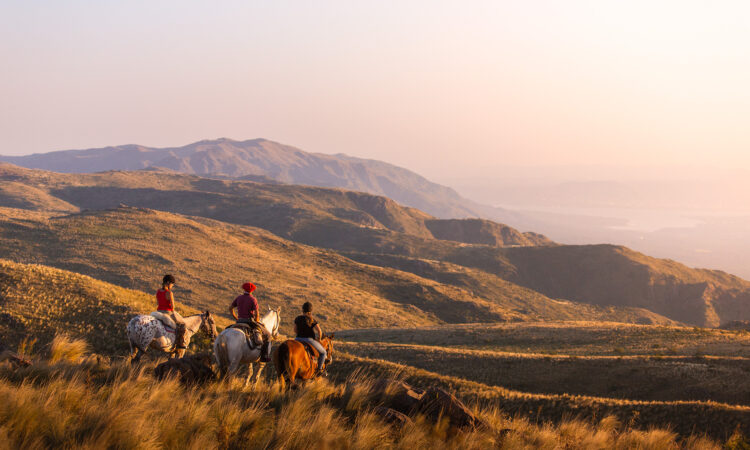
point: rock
(407, 400)
(392, 416)
(192, 369)
(397, 395)
(436, 402)
(14, 358)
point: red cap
(248, 287)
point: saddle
(311, 352)
(253, 333)
(165, 320)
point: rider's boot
(179, 336)
(265, 351)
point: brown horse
(292, 361)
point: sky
(449, 89)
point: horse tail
(281, 360)
(221, 353)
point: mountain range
(264, 160)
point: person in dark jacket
(306, 327)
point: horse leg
(234, 368)
(249, 373)
(261, 366)
(292, 376)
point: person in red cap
(244, 309)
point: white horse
(232, 351)
(146, 332)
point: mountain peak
(253, 158)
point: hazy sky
(439, 87)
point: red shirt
(163, 300)
(246, 305)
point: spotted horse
(146, 332)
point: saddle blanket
(165, 320)
(253, 333)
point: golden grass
(41, 302)
(683, 417)
(667, 378)
(98, 405)
(63, 348)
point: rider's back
(163, 300)
(305, 326)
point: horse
(292, 360)
(146, 332)
(232, 351)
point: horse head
(208, 325)
(327, 341)
(276, 320)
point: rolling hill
(39, 302)
(134, 247)
(377, 231)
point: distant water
(631, 219)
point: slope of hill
(260, 157)
(619, 276)
(133, 247)
(283, 209)
(375, 230)
(480, 231)
(39, 302)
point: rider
(165, 305)
(247, 312)
(306, 327)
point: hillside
(39, 302)
(95, 311)
(377, 231)
(263, 158)
(134, 247)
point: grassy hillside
(134, 248)
(568, 338)
(367, 228)
(90, 405)
(650, 378)
(75, 395)
(39, 302)
(683, 417)
(619, 276)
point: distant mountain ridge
(264, 160)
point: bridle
(207, 325)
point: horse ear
(278, 310)
(330, 336)
(208, 313)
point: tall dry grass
(92, 403)
(64, 348)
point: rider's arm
(257, 315)
(320, 332)
(171, 299)
(233, 312)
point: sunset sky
(438, 87)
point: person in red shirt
(246, 307)
(165, 305)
